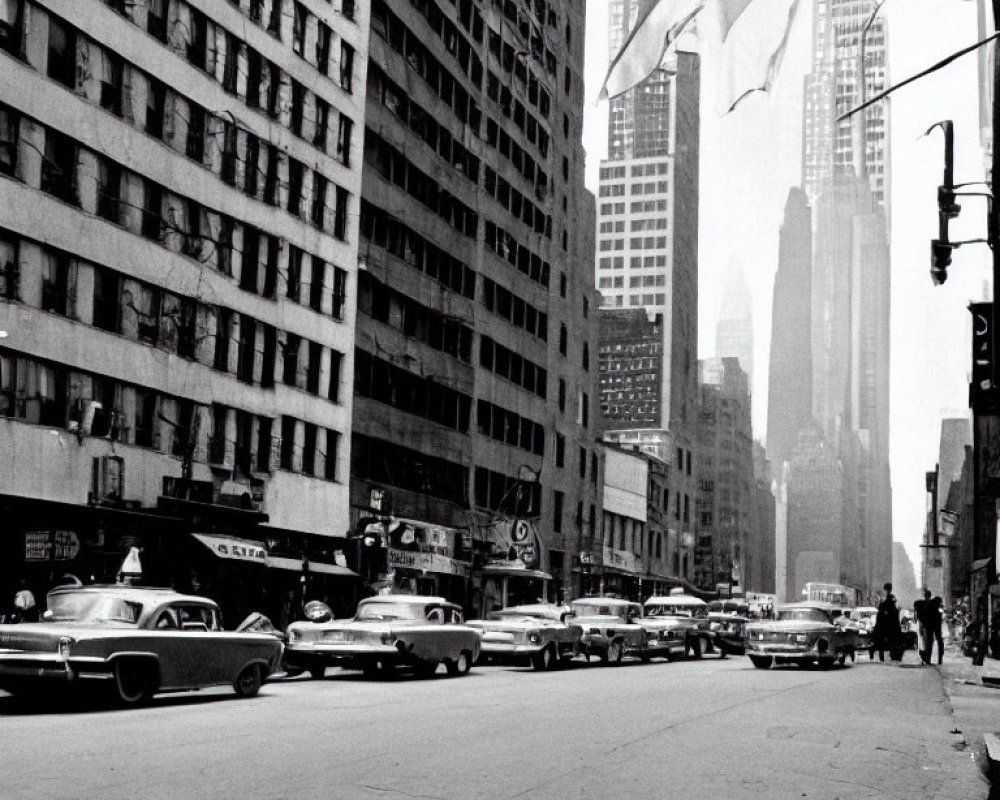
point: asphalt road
(694, 729)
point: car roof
(149, 594)
(534, 608)
(604, 601)
(810, 604)
(675, 600)
(409, 599)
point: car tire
(613, 657)
(761, 662)
(842, 657)
(460, 665)
(317, 671)
(248, 682)
(544, 660)
(696, 648)
(426, 669)
(134, 682)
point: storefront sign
(427, 562)
(517, 537)
(620, 559)
(49, 545)
(230, 547)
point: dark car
(728, 631)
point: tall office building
(845, 177)
(841, 42)
(180, 184)
(476, 362)
(647, 244)
(789, 401)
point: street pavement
(708, 728)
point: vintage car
(727, 630)
(538, 633)
(691, 612)
(802, 633)
(610, 628)
(387, 631)
(134, 641)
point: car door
(198, 645)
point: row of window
(515, 310)
(393, 464)
(637, 170)
(436, 136)
(500, 93)
(516, 254)
(101, 186)
(425, 397)
(393, 166)
(634, 243)
(533, 35)
(509, 427)
(634, 281)
(635, 262)
(389, 27)
(416, 321)
(635, 300)
(513, 65)
(44, 393)
(383, 230)
(229, 341)
(513, 366)
(517, 204)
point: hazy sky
(751, 157)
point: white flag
(657, 24)
(753, 35)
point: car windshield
(803, 615)
(668, 610)
(90, 607)
(509, 614)
(598, 610)
(382, 610)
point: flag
(753, 35)
(657, 24)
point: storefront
(429, 574)
(501, 584)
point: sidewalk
(975, 705)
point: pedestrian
(25, 609)
(887, 633)
(928, 613)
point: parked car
(610, 628)
(135, 641)
(692, 612)
(387, 631)
(538, 633)
(802, 633)
(727, 630)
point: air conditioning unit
(107, 481)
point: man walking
(929, 620)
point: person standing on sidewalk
(887, 634)
(929, 620)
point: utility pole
(992, 229)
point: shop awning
(515, 572)
(232, 547)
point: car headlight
(801, 638)
(534, 637)
(388, 638)
(65, 644)
(294, 635)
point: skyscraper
(647, 245)
(846, 180)
(734, 330)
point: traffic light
(940, 260)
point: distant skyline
(755, 152)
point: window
(287, 443)
(330, 461)
(562, 395)
(312, 367)
(252, 165)
(156, 18)
(249, 269)
(59, 167)
(268, 356)
(582, 462)
(274, 22)
(318, 211)
(11, 23)
(557, 511)
(55, 282)
(339, 293)
(230, 74)
(346, 65)
(271, 175)
(322, 123)
(586, 355)
(223, 327)
(143, 428)
(109, 177)
(273, 90)
(111, 82)
(195, 145)
(197, 46)
(229, 154)
(317, 283)
(340, 218)
(560, 450)
(344, 129)
(106, 299)
(563, 338)
(290, 360)
(255, 77)
(323, 36)
(152, 210)
(295, 175)
(294, 280)
(9, 129)
(264, 427)
(299, 19)
(62, 53)
(156, 98)
(347, 8)
(309, 448)
(298, 103)
(336, 362)
(246, 349)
